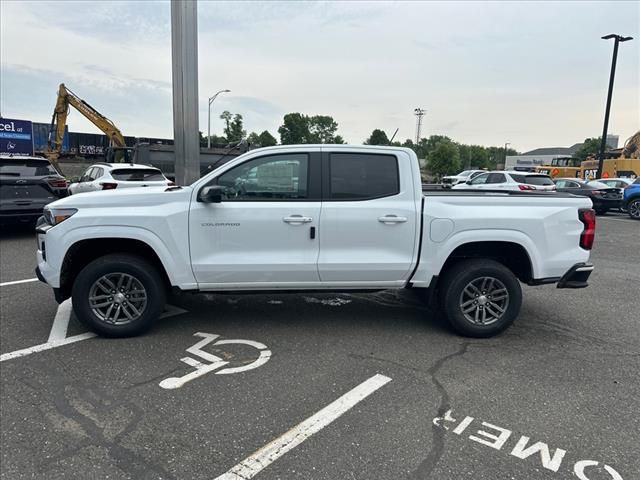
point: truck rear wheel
(118, 295)
(480, 297)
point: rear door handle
(388, 219)
(297, 219)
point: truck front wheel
(480, 297)
(118, 295)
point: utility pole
(612, 75)
(184, 69)
(419, 113)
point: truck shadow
(389, 310)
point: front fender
(174, 257)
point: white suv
(108, 176)
(506, 180)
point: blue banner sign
(16, 136)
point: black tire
(633, 208)
(149, 281)
(454, 295)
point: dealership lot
(376, 385)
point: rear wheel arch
(83, 252)
(512, 255)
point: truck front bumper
(576, 276)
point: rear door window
(540, 180)
(496, 178)
(137, 175)
(480, 179)
(362, 176)
(26, 168)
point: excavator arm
(65, 99)
(632, 146)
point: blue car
(631, 199)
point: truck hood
(127, 197)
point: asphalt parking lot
(362, 386)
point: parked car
(462, 177)
(631, 200)
(327, 217)
(509, 180)
(27, 184)
(604, 198)
(615, 182)
(109, 176)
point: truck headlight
(54, 216)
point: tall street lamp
(603, 143)
(211, 99)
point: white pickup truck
(311, 217)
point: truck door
(263, 233)
(369, 219)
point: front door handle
(297, 219)
(389, 219)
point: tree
(234, 130)
(444, 159)
(295, 129)
(377, 137)
(323, 129)
(300, 128)
(253, 139)
(338, 140)
(590, 147)
(226, 116)
(265, 139)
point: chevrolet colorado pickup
(311, 217)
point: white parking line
(58, 335)
(16, 282)
(253, 464)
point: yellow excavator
(117, 151)
(625, 165)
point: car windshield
(138, 175)
(26, 168)
(540, 180)
(596, 184)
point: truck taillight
(108, 186)
(526, 187)
(588, 218)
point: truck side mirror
(212, 194)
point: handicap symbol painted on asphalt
(214, 362)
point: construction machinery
(625, 163)
(117, 151)
(562, 167)
(622, 162)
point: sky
(534, 74)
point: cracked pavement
(565, 374)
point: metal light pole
(211, 99)
(603, 143)
(184, 69)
